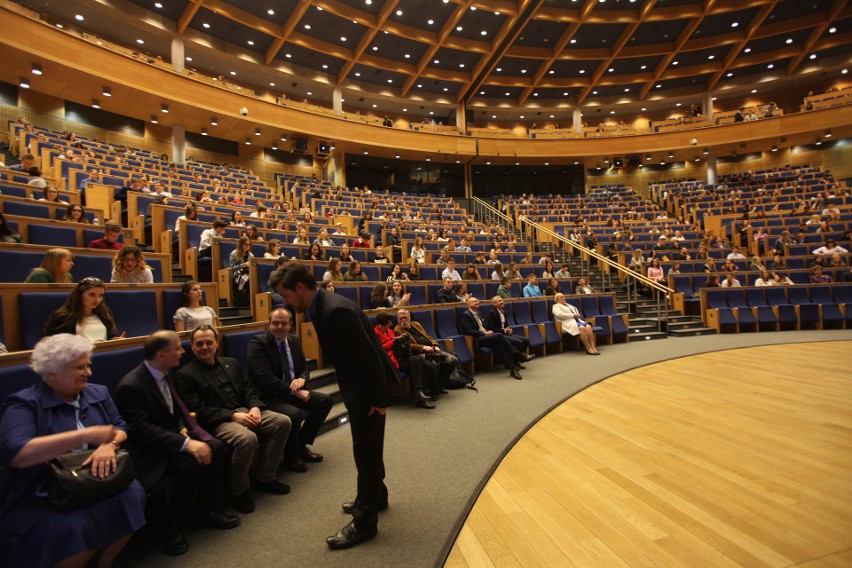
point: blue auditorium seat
(418, 294)
(27, 209)
(236, 345)
(52, 235)
(350, 291)
(99, 266)
(35, 308)
(134, 311)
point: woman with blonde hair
(570, 321)
(55, 268)
(333, 273)
(129, 267)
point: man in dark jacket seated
(495, 320)
(277, 367)
(471, 324)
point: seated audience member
(447, 294)
(583, 288)
(27, 161)
(531, 290)
(333, 273)
(779, 279)
(397, 297)
(450, 271)
(228, 406)
(278, 368)
(193, 313)
(363, 241)
(437, 365)
(327, 285)
(553, 287)
(709, 267)
(379, 297)
(837, 261)
(169, 448)
(480, 258)
(674, 270)
(492, 258)
(76, 214)
(39, 424)
(830, 248)
(470, 272)
(712, 281)
(418, 252)
(399, 349)
(495, 320)
(471, 324)
(205, 245)
(818, 277)
(36, 178)
(655, 271)
(355, 273)
(51, 195)
(239, 263)
(380, 257)
(323, 239)
(190, 213)
(756, 264)
(345, 254)
(443, 257)
(504, 290)
(764, 280)
(497, 273)
(514, 272)
(414, 270)
(302, 238)
(128, 267)
(730, 281)
(314, 252)
(237, 219)
(55, 268)
(571, 322)
(7, 234)
(252, 233)
(564, 271)
(548, 272)
(397, 274)
(273, 249)
(84, 313)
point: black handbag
(72, 485)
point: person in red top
(109, 241)
(384, 330)
(363, 241)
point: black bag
(458, 378)
(72, 485)
(402, 347)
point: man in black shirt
(447, 294)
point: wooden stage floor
(731, 458)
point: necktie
(189, 417)
(479, 322)
(285, 362)
(167, 396)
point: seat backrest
(521, 312)
(538, 308)
(350, 292)
(755, 297)
(842, 293)
(16, 378)
(715, 298)
(798, 296)
(17, 264)
(372, 272)
(776, 296)
(445, 322)
(97, 265)
(53, 236)
(477, 289)
(590, 307)
(418, 294)
(821, 295)
(108, 367)
(424, 318)
(429, 272)
(236, 345)
(35, 308)
(27, 209)
(735, 297)
(134, 311)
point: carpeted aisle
(435, 461)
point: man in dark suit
(471, 324)
(495, 320)
(228, 407)
(367, 379)
(277, 367)
(170, 449)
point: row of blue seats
(18, 264)
(34, 209)
(135, 311)
(772, 308)
(59, 236)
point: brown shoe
(296, 465)
(309, 456)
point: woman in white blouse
(572, 323)
(418, 253)
(193, 312)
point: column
(578, 120)
(178, 54)
(178, 144)
(461, 119)
(711, 169)
(337, 100)
(708, 106)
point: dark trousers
(307, 417)
(368, 440)
(519, 342)
(422, 373)
(195, 487)
(501, 344)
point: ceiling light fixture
(24, 83)
(106, 91)
(96, 103)
(37, 69)
(164, 108)
(248, 141)
(257, 131)
(214, 121)
(154, 119)
(204, 132)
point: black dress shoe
(219, 520)
(309, 456)
(275, 487)
(443, 391)
(296, 465)
(528, 358)
(515, 374)
(520, 366)
(349, 536)
(243, 503)
(174, 543)
(424, 404)
(349, 506)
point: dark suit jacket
(469, 326)
(264, 364)
(416, 348)
(492, 321)
(365, 373)
(203, 397)
(152, 429)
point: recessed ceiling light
(390, 80)
(483, 32)
(493, 116)
(446, 89)
(250, 42)
(711, 57)
(832, 30)
(789, 41)
(747, 50)
(461, 65)
(523, 70)
(319, 8)
(271, 84)
(535, 94)
(408, 56)
(594, 92)
(551, 72)
(307, 26)
(368, 2)
(287, 55)
(154, 119)
(675, 62)
(735, 24)
(573, 41)
(770, 66)
(436, 61)
(79, 17)
(419, 86)
(399, 12)
(271, 12)
(499, 69)
(374, 106)
(508, 94)
(430, 22)
(214, 121)
(473, 8)
(106, 91)
(96, 103)
(643, 67)
(659, 85)
(813, 56)
(24, 83)
(612, 112)
(248, 141)
(481, 92)
(677, 104)
(582, 71)
(565, 94)
(342, 38)
(611, 69)
(375, 48)
(522, 116)
(164, 108)
(140, 41)
(204, 132)
(405, 110)
(310, 93)
(205, 25)
(730, 74)
(158, 5)
(626, 90)
(644, 109)
(357, 74)
(753, 91)
(324, 66)
(233, 73)
(459, 28)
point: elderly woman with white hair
(570, 320)
(62, 413)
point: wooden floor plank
(736, 458)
